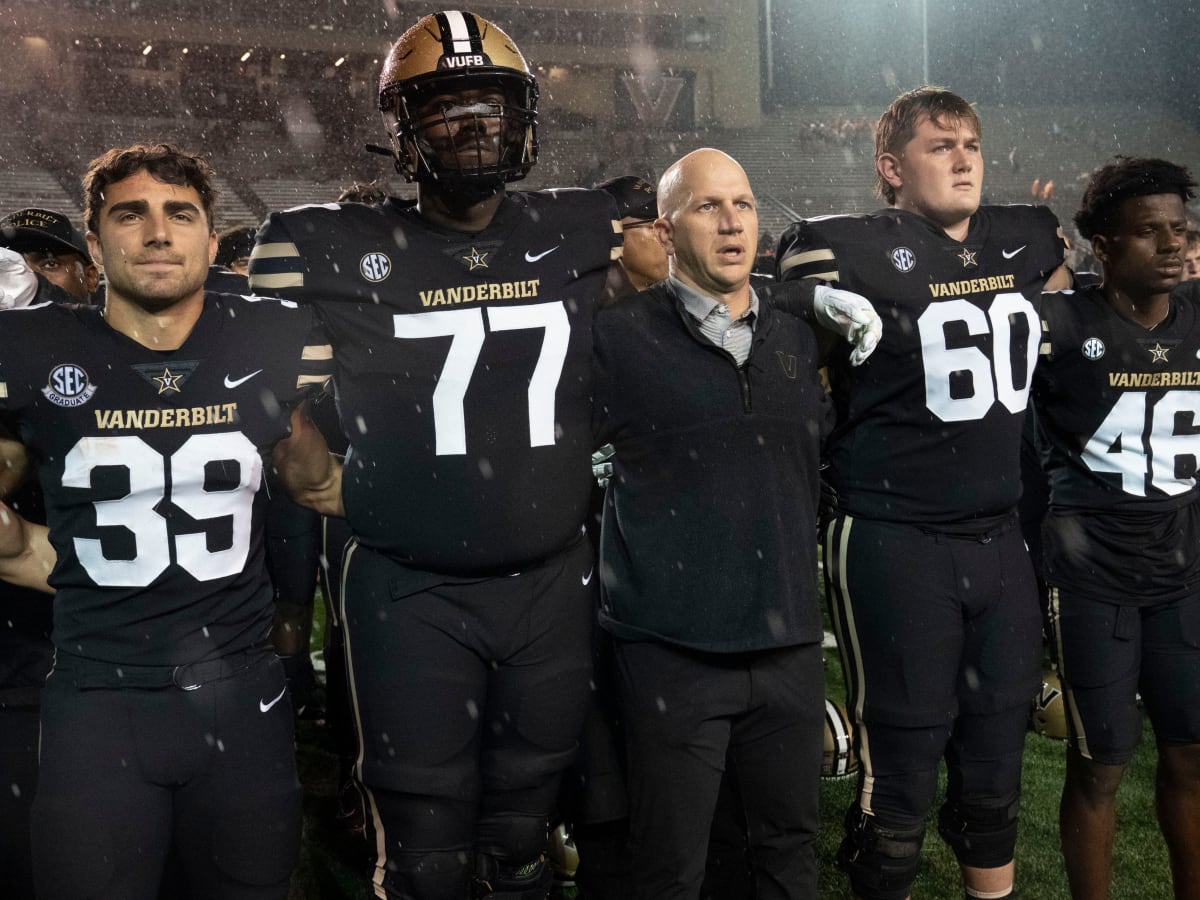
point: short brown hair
(164, 162)
(899, 122)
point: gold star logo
(967, 257)
(476, 260)
(167, 382)
(1158, 353)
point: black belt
(981, 529)
(92, 673)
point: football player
(26, 654)
(461, 327)
(1191, 257)
(25, 659)
(45, 244)
(233, 248)
(161, 719)
(931, 588)
(642, 256)
(1118, 398)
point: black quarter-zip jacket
(709, 532)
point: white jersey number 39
(992, 379)
(138, 511)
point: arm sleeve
(316, 359)
(793, 297)
(804, 253)
(1053, 244)
(276, 266)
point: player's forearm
(320, 492)
(311, 474)
(1060, 280)
(26, 555)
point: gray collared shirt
(734, 337)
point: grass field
(333, 867)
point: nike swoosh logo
(264, 707)
(588, 577)
(534, 257)
(1007, 254)
(232, 383)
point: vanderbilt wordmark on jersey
(1121, 403)
(928, 429)
(464, 374)
(151, 463)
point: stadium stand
(22, 186)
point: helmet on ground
(455, 73)
(1049, 708)
(563, 856)
(839, 760)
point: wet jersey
(462, 368)
(1119, 406)
(929, 427)
(150, 464)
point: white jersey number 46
(1138, 439)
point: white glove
(18, 283)
(602, 465)
(850, 315)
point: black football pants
(18, 780)
(126, 772)
(470, 696)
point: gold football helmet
(563, 856)
(459, 103)
(839, 760)
(1049, 708)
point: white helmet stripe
(458, 31)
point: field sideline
(329, 867)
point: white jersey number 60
(992, 379)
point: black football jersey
(462, 367)
(25, 622)
(1119, 407)
(929, 427)
(150, 464)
